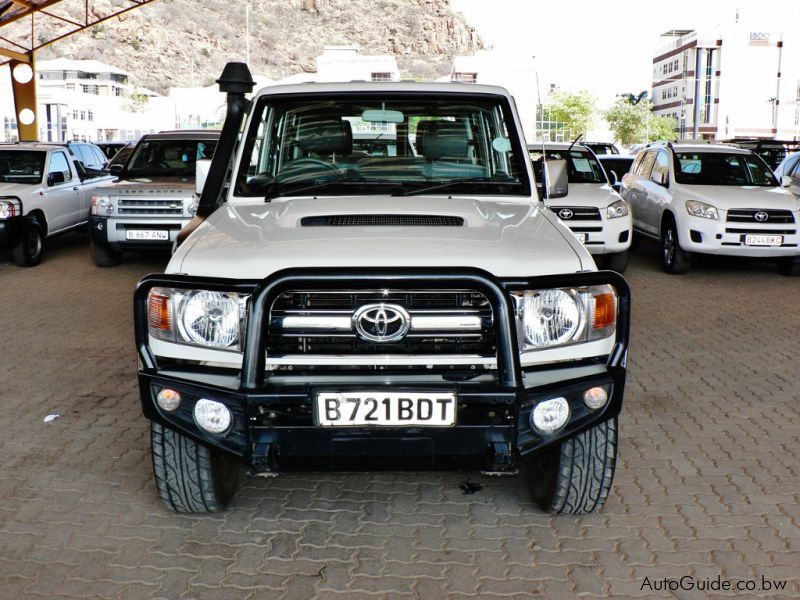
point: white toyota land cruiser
(44, 191)
(593, 211)
(332, 309)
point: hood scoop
(382, 221)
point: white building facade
(87, 100)
(729, 83)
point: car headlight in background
(10, 207)
(102, 206)
(617, 209)
(701, 209)
(563, 316)
(198, 317)
(192, 207)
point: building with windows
(730, 82)
(345, 63)
(87, 100)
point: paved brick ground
(707, 485)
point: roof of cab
(384, 87)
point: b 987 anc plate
(386, 409)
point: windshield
(718, 168)
(21, 166)
(367, 144)
(168, 158)
(603, 148)
(582, 166)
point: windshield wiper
(454, 182)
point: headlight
(197, 317)
(559, 317)
(10, 207)
(102, 206)
(701, 209)
(617, 209)
(192, 208)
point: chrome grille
(320, 323)
(150, 207)
(578, 213)
(748, 215)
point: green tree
(635, 123)
(576, 111)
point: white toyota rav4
(593, 211)
(420, 309)
(712, 199)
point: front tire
(28, 251)
(104, 255)
(789, 267)
(617, 262)
(191, 478)
(675, 259)
(575, 476)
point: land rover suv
(420, 310)
(153, 198)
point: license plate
(581, 237)
(146, 234)
(386, 409)
(763, 240)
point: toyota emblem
(565, 213)
(761, 216)
(381, 322)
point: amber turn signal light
(159, 314)
(605, 311)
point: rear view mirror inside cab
(382, 116)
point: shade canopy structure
(29, 25)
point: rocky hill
(181, 42)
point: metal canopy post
(23, 85)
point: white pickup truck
(44, 191)
(340, 309)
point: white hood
(256, 239)
(18, 189)
(733, 196)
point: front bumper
(274, 427)
(708, 236)
(11, 231)
(607, 236)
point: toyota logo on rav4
(565, 213)
(381, 322)
(761, 216)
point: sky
(606, 47)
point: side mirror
(55, 178)
(555, 179)
(202, 167)
(115, 170)
(661, 178)
(786, 181)
(614, 178)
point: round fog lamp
(168, 399)
(212, 416)
(550, 415)
(595, 397)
